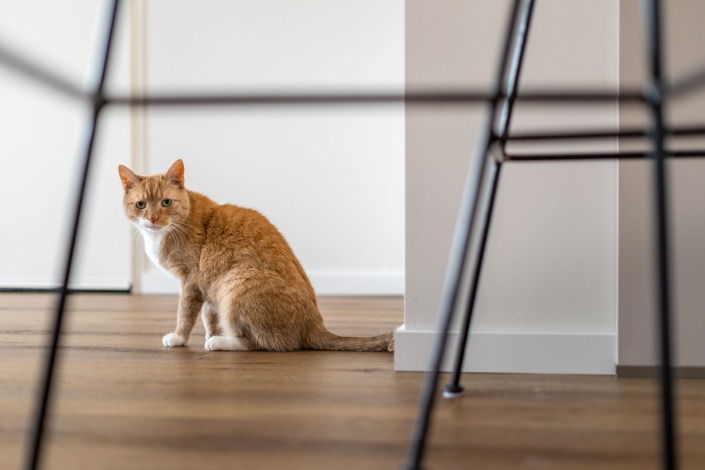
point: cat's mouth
(151, 227)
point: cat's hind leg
(229, 343)
(209, 315)
(235, 335)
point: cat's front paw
(172, 340)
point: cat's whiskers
(180, 233)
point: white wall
(39, 133)
(547, 300)
(330, 178)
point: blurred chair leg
(44, 397)
(655, 98)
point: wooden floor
(125, 402)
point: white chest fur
(152, 245)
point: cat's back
(235, 231)
(240, 239)
(237, 222)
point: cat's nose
(153, 218)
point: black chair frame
(477, 204)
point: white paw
(224, 343)
(212, 343)
(172, 339)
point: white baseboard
(157, 283)
(325, 283)
(533, 353)
(117, 283)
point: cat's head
(155, 203)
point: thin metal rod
(600, 156)
(44, 397)
(458, 260)
(521, 40)
(683, 131)
(685, 153)
(431, 97)
(668, 417)
(571, 135)
(453, 388)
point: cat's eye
(166, 202)
(140, 204)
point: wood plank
(125, 402)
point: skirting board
(498, 352)
(325, 283)
(117, 283)
(682, 372)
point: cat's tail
(327, 341)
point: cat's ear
(128, 178)
(175, 174)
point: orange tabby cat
(234, 267)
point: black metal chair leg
(655, 97)
(453, 389)
(458, 257)
(44, 397)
